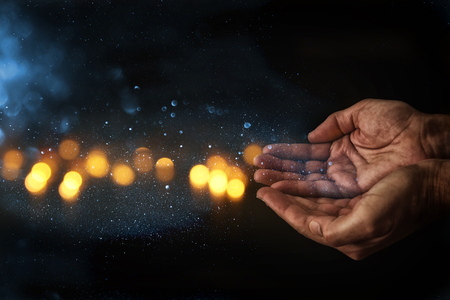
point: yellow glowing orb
(216, 162)
(251, 152)
(97, 164)
(235, 189)
(41, 171)
(199, 176)
(69, 149)
(34, 183)
(142, 160)
(122, 174)
(218, 182)
(67, 192)
(164, 169)
(73, 180)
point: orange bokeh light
(251, 152)
(12, 163)
(69, 149)
(234, 172)
(217, 182)
(97, 164)
(235, 189)
(36, 180)
(142, 160)
(199, 176)
(69, 189)
(165, 170)
(216, 162)
(122, 174)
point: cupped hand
(349, 152)
(393, 208)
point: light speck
(164, 108)
(173, 115)
(174, 103)
(247, 125)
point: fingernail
(259, 197)
(315, 228)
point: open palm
(392, 209)
(349, 153)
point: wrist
(435, 136)
(436, 183)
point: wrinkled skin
(349, 152)
(397, 205)
(369, 177)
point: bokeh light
(216, 162)
(218, 182)
(142, 160)
(73, 180)
(69, 189)
(199, 176)
(251, 152)
(36, 180)
(234, 172)
(34, 183)
(69, 149)
(53, 161)
(122, 174)
(235, 189)
(12, 163)
(97, 164)
(165, 170)
(42, 171)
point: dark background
(288, 64)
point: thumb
(335, 126)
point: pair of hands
(365, 181)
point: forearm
(436, 136)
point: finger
(307, 188)
(337, 124)
(268, 177)
(299, 151)
(296, 215)
(284, 206)
(271, 162)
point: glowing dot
(235, 189)
(42, 170)
(69, 149)
(199, 176)
(73, 180)
(251, 152)
(216, 162)
(164, 169)
(34, 183)
(12, 162)
(142, 160)
(122, 174)
(67, 192)
(97, 164)
(13, 158)
(218, 182)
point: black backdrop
(288, 64)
